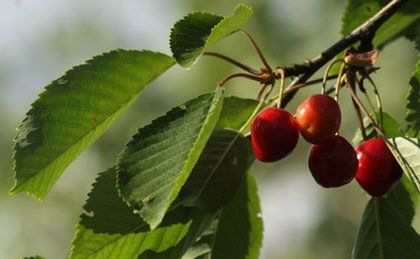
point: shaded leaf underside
(219, 171)
(236, 234)
(385, 234)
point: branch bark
(366, 30)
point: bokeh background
(42, 39)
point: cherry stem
(281, 89)
(372, 107)
(360, 119)
(236, 75)
(350, 82)
(327, 72)
(260, 104)
(378, 100)
(261, 91)
(257, 49)
(298, 86)
(338, 83)
(233, 61)
(363, 108)
(365, 93)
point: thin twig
(258, 50)
(313, 82)
(264, 86)
(233, 61)
(236, 75)
(350, 82)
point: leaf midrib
(218, 164)
(378, 227)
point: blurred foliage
(42, 40)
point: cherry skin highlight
(319, 118)
(274, 134)
(333, 163)
(378, 169)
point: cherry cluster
(332, 160)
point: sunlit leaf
(160, 157)
(197, 31)
(75, 110)
(407, 153)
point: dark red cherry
(274, 134)
(378, 169)
(319, 118)
(333, 163)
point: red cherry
(274, 134)
(319, 118)
(333, 163)
(378, 169)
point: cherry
(319, 118)
(378, 169)
(274, 134)
(333, 163)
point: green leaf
(198, 248)
(236, 112)
(237, 232)
(75, 110)
(407, 153)
(160, 157)
(359, 11)
(413, 34)
(219, 172)
(413, 104)
(197, 31)
(110, 229)
(240, 228)
(390, 127)
(404, 197)
(34, 257)
(385, 233)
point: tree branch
(366, 30)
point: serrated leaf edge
(40, 197)
(188, 65)
(214, 110)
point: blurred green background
(44, 38)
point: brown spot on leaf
(95, 118)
